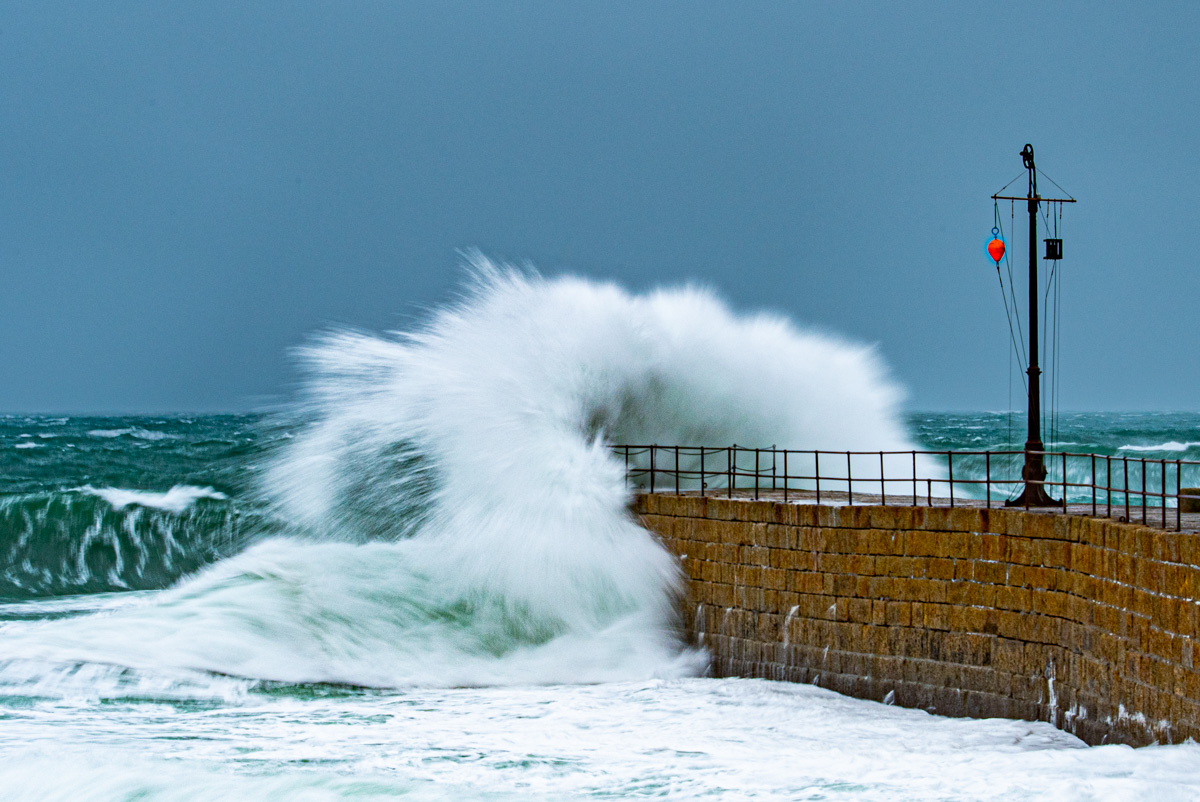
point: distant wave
(1172, 445)
(28, 444)
(176, 500)
(133, 431)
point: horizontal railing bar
(675, 465)
(634, 450)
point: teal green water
(57, 536)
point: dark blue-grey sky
(191, 188)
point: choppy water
(423, 584)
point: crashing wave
(457, 515)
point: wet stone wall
(1086, 623)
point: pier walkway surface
(1149, 515)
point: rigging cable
(1012, 283)
(1007, 310)
(1010, 183)
(1056, 330)
(1008, 443)
(1053, 345)
(1055, 183)
(1048, 349)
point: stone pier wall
(1086, 623)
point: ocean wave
(457, 517)
(135, 432)
(55, 543)
(1171, 445)
(176, 500)
(28, 444)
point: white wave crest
(1172, 445)
(135, 432)
(176, 500)
(465, 468)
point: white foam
(176, 500)
(695, 739)
(28, 444)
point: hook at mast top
(1027, 156)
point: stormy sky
(190, 189)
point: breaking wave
(79, 541)
(1173, 445)
(176, 500)
(455, 514)
(135, 432)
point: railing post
(652, 450)
(1064, 464)
(1178, 493)
(1092, 476)
(732, 465)
(677, 470)
(1125, 485)
(786, 477)
(703, 479)
(1027, 494)
(950, 469)
(1163, 482)
(1143, 490)
(817, 473)
(987, 478)
(849, 482)
(882, 482)
(914, 457)
(1108, 485)
(757, 460)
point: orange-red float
(995, 248)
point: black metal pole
(1034, 472)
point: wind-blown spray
(458, 517)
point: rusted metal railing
(1085, 482)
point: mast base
(1034, 496)
(1034, 475)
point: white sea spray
(459, 517)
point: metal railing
(1095, 483)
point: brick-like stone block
(965, 519)
(726, 509)
(854, 517)
(989, 572)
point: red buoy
(995, 248)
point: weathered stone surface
(970, 612)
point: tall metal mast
(1034, 473)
